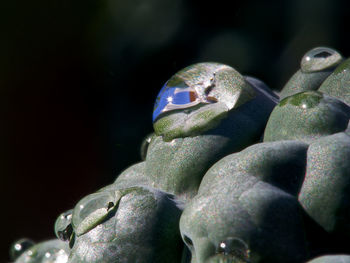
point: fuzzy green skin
(331, 259)
(338, 83)
(53, 251)
(145, 220)
(307, 116)
(301, 82)
(266, 218)
(281, 164)
(132, 176)
(233, 201)
(143, 228)
(325, 191)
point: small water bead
(304, 100)
(144, 146)
(92, 210)
(234, 247)
(55, 256)
(18, 247)
(319, 59)
(63, 227)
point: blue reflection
(172, 98)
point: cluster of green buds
(232, 173)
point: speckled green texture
(331, 259)
(235, 198)
(306, 117)
(143, 229)
(265, 218)
(281, 164)
(325, 194)
(52, 251)
(301, 81)
(338, 83)
(134, 175)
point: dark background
(78, 80)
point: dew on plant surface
(63, 227)
(92, 210)
(144, 146)
(234, 247)
(176, 94)
(320, 58)
(55, 256)
(18, 247)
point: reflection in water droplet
(63, 227)
(304, 100)
(18, 246)
(323, 54)
(234, 247)
(319, 59)
(176, 94)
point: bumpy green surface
(325, 194)
(338, 83)
(307, 116)
(209, 191)
(142, 228)
(169, 175)
(316, 65)
(234, 201)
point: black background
(78, 80)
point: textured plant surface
(230, 174)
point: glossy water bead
(177, 95)
(320, 58)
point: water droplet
(188, 242)
(18, 247)
(319, 59)
(63, 227)
(92, 210)
(176, 94)
(55, 256)
(304, 100)
(234, 247)
(144, 146)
